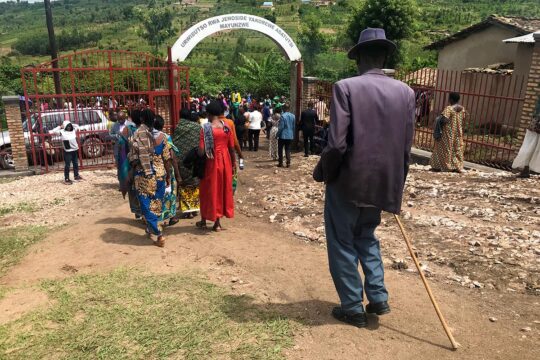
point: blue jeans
(71, 157)
(350, 234)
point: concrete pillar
(16, 133)
(532, 93)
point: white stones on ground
(526, 329)
(475, 243)
(493, 319)
(407, 215)
(399, 264)
(477, 284)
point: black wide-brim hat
(369, 37)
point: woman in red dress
(216, 190)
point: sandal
(201, 225)
(217, 227)
(173, 221)
(160, 242)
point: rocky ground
(476, 235)
(476, 229)
(45, 200)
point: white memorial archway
(198, 32)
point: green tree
(240, 47)
(268, 76)
(396, 17)
(270, 17)
(312, 41)
(156, 25)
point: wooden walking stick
(455, 344)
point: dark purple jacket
(372, 126)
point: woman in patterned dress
(151, 160)
(186, 139)
(168, 215)
(273, 140)
(448, 150)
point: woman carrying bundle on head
(216, 191)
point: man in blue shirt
(285, 135)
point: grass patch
(20, 207)
(7, 180)
(128, 315)
(15, 241)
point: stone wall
(16, 133)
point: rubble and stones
(479, 230)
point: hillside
(111, 24)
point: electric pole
(54, 50)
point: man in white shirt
(68, 134)
(254, 129)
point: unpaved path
(284, 274)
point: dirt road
(288, 275)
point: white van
(92, 134)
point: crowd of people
(167, 177)
(193, 170)
(249, 117)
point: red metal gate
(492, 100)
(95, 86)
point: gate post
(297, 71)
(174, 111)
(532, 92)
(16, 133)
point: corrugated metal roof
(525, 39)
(426, 77)
(494, 69)
(520, 25)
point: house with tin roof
(483, 46)
(493, 57)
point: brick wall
(16, 134)
(533, 90)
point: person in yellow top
(236, 97)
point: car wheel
(6, 158)
(93, 147)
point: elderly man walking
(364, 166)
